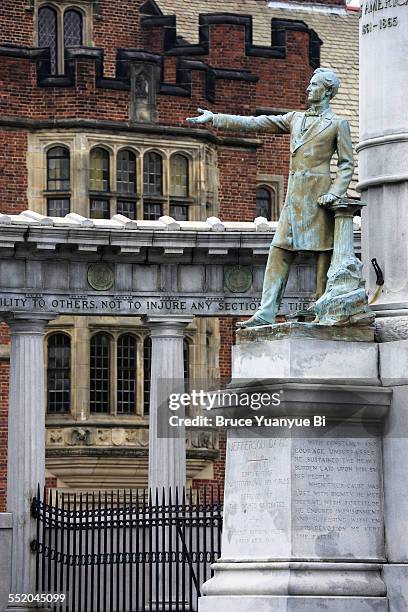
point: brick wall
(16, 23)
(278, 83)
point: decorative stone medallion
(237, 279)
(100, 276)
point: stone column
(344, 300)
(383, 169)
(26, 438)
(383, 150)
(167, 455)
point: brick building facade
(117, 75)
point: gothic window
(152, 186)
(58, 374)
(178, 176)
(179, 189)
(126, 183)
(60, 27)
(263, 203)
(58, 180)
(100, 374)
(147, 361)
(72, 28)
(58, 172)
(99, 184)
(267, 202)
(153, 175)
(126, 374)
(48, 34)
(126, 172)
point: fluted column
(26, 438)
(167, 446)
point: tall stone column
(26, 438)
(383, 152)
(167, 447)
(383, 163)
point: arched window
(126, 374)
(179, 188)
(152, 186)
(126, 171)
(153, 175)
(147, 362)
(99, 181)
(263, 203)
(58, 373)
(100, 374)
(58, 179)
(58, 169)
(126, 183)
(178, 176)
(72, 28)
(48, 34)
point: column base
(295, 578)
(292, 604)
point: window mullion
(60, 42)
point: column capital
(27, 322)
(167, 326)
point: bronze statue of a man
(305, 223)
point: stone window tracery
(48, 34)
(73, 28)
(61, 25)
(121, 175)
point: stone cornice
(34, 125)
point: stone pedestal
(303, 510)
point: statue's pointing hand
(205, 116)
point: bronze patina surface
(306, 222)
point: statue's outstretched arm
(270, 123)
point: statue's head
(323, 85)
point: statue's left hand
(327, 199)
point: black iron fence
(126, 551)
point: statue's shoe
(254, 321)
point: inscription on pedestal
(257, 506)
(336, 497)
(303, 497)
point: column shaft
(26, 439)
(167, 446)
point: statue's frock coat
(304, 225)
